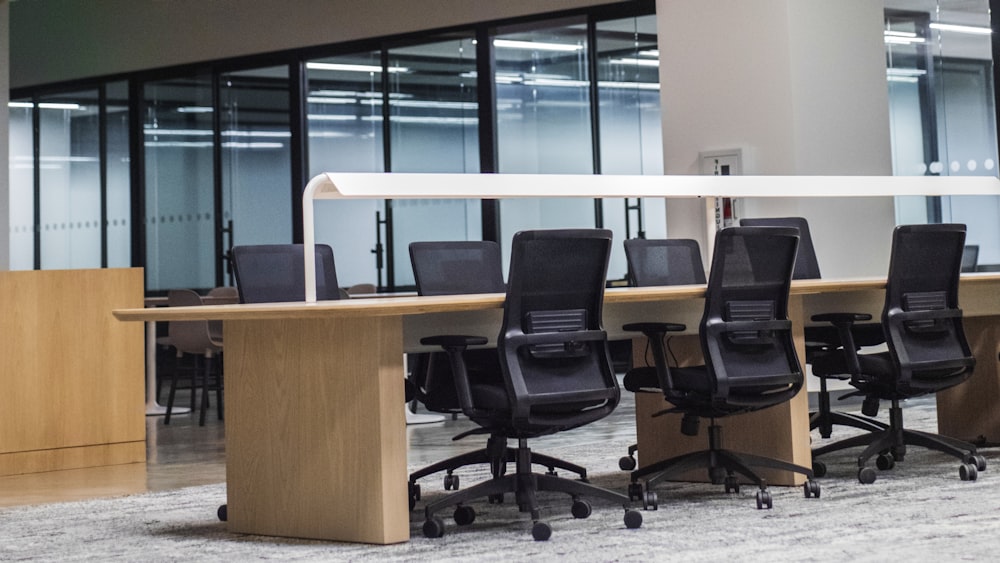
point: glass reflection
(22, 185)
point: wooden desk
(315, 436)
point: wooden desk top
(414, 305)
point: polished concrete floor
(184, 454)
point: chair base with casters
(497, 454)
(723, 467)
(889, 445)
(824, 417)
(523, 484)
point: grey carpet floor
(919, 511)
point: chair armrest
(841, 318)
(455, 345)
(654, 328)
(449, 340)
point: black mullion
(137, 171)
(299, 125)
(102, 150)
(390, 246)
(595, 127)
(486, 95)
(220, 251)
(36, 152)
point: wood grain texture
(72, 375)
(315, 429)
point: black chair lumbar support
(556, 373)
(750, 360)
(927, 349)
(450, 268)
(653, 262)
(823, 342)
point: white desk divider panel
(335, 185)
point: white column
(799, 86)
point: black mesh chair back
(457, 267)
(921, 317)
(806, 263)
(453, 268)
(664, 262)
(970, 258)
(745, 332)
(552, 343)
(275, 273)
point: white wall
(799, 86)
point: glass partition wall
(939, 70)
(168, 169)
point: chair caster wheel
(885, 461)
(717, 475)
(866, 475)
(451, 482)
(464, 515)
(580, 509)
(634, 491)
(626, 463)
(819, 468)
(223, 512)
(976, 460)
(732, 484)
(764, 499)
(968, 472)
(633, 519)
(541, 531)
(414, 494)
(433, 527)
(650, 501)
(495, 499)
(811, 488)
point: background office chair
(927, 351)
(970, 258)
(194, 338)
(654, 262)
(275, 273)
(750, 360)
(823, 342)
(556, 371)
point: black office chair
(556, 372)
(452, 268)
(823, 344)
(275, 273)
(750, 360)
(928, 351)
(653, 262)
(970, 258)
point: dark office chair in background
(556, 372)
(275, 273)
(970, 258)
(452, 268)
(823, 342)
(653, 262)
(928, 351)
(750, 360)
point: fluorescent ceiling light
(634, 61)
(901, 37)
(535, 45)
(353, 67)
(629, 85)
(194, 109)
(970, 29)
(45, 105)
(650, 53)
(324, 100)
(321, 117)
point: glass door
(434, 127)
(256, 158)
(628, 90)
(180, 213)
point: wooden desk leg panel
(968, 411)
(315, 429)
(781, 431)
